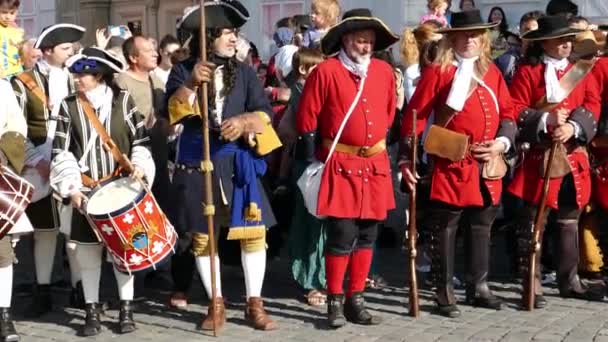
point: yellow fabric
(179, 106)
(250, 232)
(591, 256)
(200, 244)
(253, 245)
(268, 140)
(10, 62)
(253, 213)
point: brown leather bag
(445, 143)
(494, 169)
(561, 165)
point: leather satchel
(495, 168)
(561, 165)
(445, 143)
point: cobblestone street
(562, 320)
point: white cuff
(577, 128)
(142, 158)
(505, 141)
(65, 174)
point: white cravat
(462, 82)
(359, 69)
(58, 82)
(555, 93)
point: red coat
(459, 183)
(351, 186)
(527, 88)
(600, 174)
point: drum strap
(32, 85)
(108, 143)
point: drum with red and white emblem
(129, 221)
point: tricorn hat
(551, 27)
(94, 60)
(587, 44)
(357, 20)
(57, 34)
(218, 14)
(467, 21)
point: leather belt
(361, 151)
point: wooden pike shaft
(206, 165)
(414, 309)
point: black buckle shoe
(491, 302)
(590, 295)
(8, 333)
(450, 310)
(92, 322)
(335, 311)
(126, 322)
(41, 303)
(355, 311)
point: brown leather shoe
(255, 314)
(216, 308)
(178, 300)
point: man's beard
(359, 58)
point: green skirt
(307, 238)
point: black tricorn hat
(94, 60)
(467, 21)
(218, 14)
(54, 35)
(357, 20)
(557, 7)
(551, 27)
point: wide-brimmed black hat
(467, 21)
(551, 27)
(57, 34)
(218, 14)
(357, 20)
(93, 60)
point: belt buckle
(363, 151)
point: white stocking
(254, 268)
(88, 258)
(125, 284)
(203, 264)
(6, 286)
(45, 244)
(70, 250)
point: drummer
(13, 130)
(77, 150)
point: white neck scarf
(356, 68)
(555, 93)
(462, 82)
(58, 82)
(101, 100)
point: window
(27, 17)
(272, 11)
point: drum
(128, 220)
(15, 196)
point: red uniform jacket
(459, 183)
(527, 89)
(600, 155)
(351, 186)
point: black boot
(7, 328)
(355, 311)
(443, 243)
(478, 292)
(41, 303)
(335, 311)
(77, 296)
(449, 310)
(92, 322)
(126, 322)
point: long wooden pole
(412, 230)
(207, 167)
(539, 225)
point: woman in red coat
(550, 110)
(467, 95)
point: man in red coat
(468, 97)
(356, 189)
(553, 107)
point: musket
(412, 231)
(206, 165)
(537, 229)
